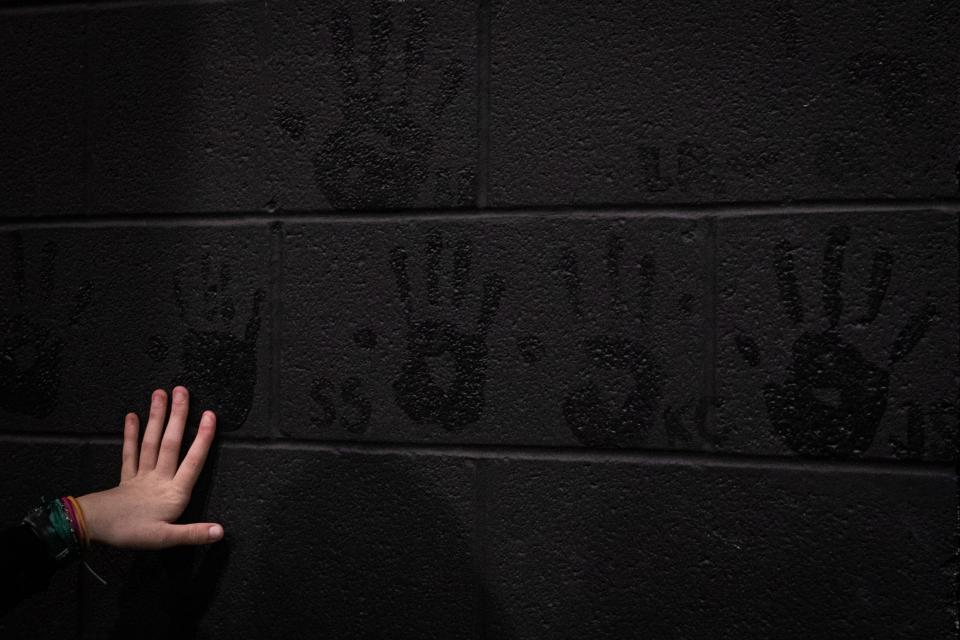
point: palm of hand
(153, 491)
(148, 501)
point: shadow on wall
(323, 544)
(181, 581)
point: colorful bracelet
(81, 521)
(59, 523)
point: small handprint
(219, 368)
(833, 398)
(420, 389)
(598, 414)
(380, 156)
(30, 354)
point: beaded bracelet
(59, 523)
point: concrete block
(605, 550)
(42, 129)
(175, 108)
(617, 102)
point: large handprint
(219, 366)
(380, 156)
(30, 352)
(419, 389)
(833, 398)
(594, 417)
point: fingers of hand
(193, 462)
(173, 435)
(131, 435)
(154, 430)
(196, 533)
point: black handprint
(833, 398)
(418, 390)
(219, 368)
(30, 354)
(381, 154)
(595, 419)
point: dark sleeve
(25, 567)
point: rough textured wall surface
(521, 320)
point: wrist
(90, 505)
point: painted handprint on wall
(833, 397)
(596, 413)
(31, 351)
(217, 366)
(443, 377)
(380, 155)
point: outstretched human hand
(153, 491)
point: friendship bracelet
(84, 531)
(72, 517)
(83, 520)
(62, 523)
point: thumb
(191, 534)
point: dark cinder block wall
(521, 320)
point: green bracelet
(53, 527)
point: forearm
(138, 513)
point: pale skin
(154, 489)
